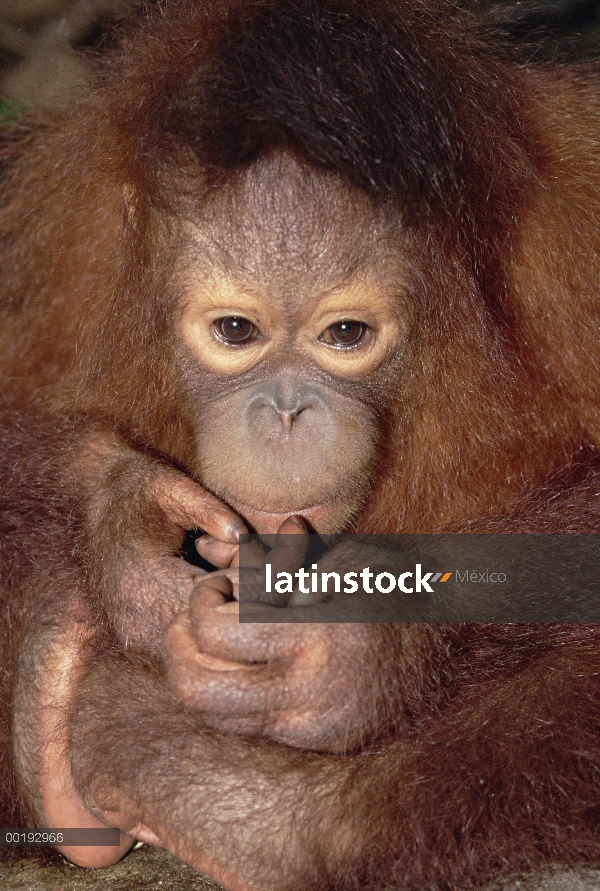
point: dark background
(46, 45)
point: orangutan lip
(287, 512)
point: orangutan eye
(235, 330)
(346, 333)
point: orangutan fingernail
(238, 530)
(204, 541)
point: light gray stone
(144, 869)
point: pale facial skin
(294, 321)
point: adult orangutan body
(323, 259)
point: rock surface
(153, 869)
(144, 869)
(581, 879)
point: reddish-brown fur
(482, 753)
